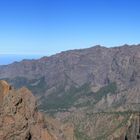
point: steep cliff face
(19, 118)
(59, 75)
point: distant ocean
(10, 58)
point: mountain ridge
(79, 86)
(96, 46)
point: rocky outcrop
(19, 118)
(130, 130)
(133, 131)
(4, 89)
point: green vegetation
(81, 135)
(64, 99)
(121, 124)
(83, 104)
(61, 100)
(103, 92)
(111, 88)
(122, 113)
(38, 88)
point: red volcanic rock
(19, 118)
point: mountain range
(93, 94)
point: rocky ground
(19, 118)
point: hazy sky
(50, 26)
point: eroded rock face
(19, 118)
(130, 131)
(133, 132)
(4, 89)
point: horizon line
(21, 53)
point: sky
(46, 27)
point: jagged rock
(133, 130)
(19, 118)
(4, 89)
